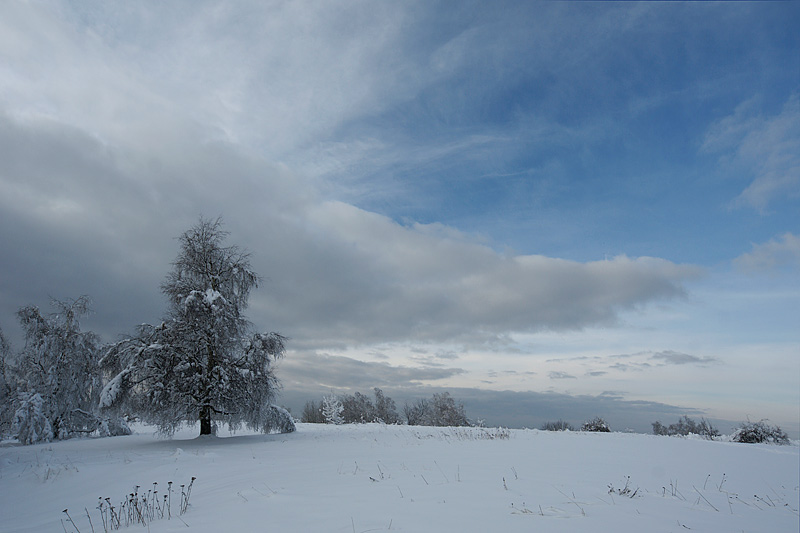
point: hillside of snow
(372, 477)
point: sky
(552, 210)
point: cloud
(560, 375)
(765, 147)
(336, 274)
(319, 371)
(677, 358)
(779, 252)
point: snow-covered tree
(441, 410)
(332, 409)
(417, 413)
(203, 362)
(445, 411)
(385, 410)
(358, 409)
(57, 374)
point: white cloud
(768, 148)
(779, 252)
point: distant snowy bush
(758, 432)
(558, 425)
(596, 424)
(687, 426)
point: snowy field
(375, 478)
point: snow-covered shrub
(596, 424)
(112, 427)
(758, 432)
(687, 426)
(278, 420)
(558, 425)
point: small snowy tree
(332, 409)
(202, 363)
(57, 372)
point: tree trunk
(205, 421)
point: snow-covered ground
(374, 478)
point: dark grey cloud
(102, 220)
(560, 375)
(597, 373)
(319, 371)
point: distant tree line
(596, 424)
(440, 410)
(747, 432)
(351, 409)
